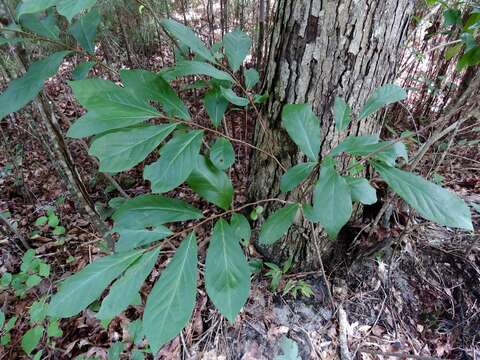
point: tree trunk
(319, 50)
(261, 32)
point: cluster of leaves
(116, 120)
(463, 18)
(5, 327)
(51, 221)
(291, 287)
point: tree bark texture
(321, 49)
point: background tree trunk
(320, 49)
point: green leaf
(227, 274)
(361, 190)
(115, 351)
(252, 77)
(10, 324)
(354, 144)
(42, 220)
(33, 6)
(133, 238)
(222, 154)
(383, 96)
(278, 224)
(110, 107)
(135, 331)
(171, 302)
(33, 280)
(153, 210)
(53, 329)
(186, 68)
(123, 149)
(177, 160)
(84, 30)
(59, 230)
(31, 339)
(232, 97)
(289, 349)
(210, 183)
(2, 319)
(241, 227)
(10, 41)
(303, 127)
(471, 57)
(332, 200)
(126, 288)
(53, 220)
(79, 290)
(82, 70)
(342, 113)
(23, 90)
(452, 17)
(154, 87)
(38, 311)
(216, 105)
(70, 8)
(295, 175)
(452, 51)
(44, 270)
(236, 45)
(186, 36)
(46, 26)
(432, 201)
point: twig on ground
(343, 326)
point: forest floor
(420, 295)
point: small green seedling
(53, 222)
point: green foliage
(361, 190)
(295, 176)
(278, 224)
(289, 349)
(216, 105)
(241, 227)
(381, 97)
(31, 339)
(82, 70)
(46, 26)
(222, 154)
(342, 114)
(237, 45)
(84, 30)
(70, 8)
(252, 77)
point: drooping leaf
(46, 26)
(33, 6)
(241, 227)
(186, 68)
(361, 190)
(295, 175)
(354, 144)
(332, 200)
(126, 288)
(82, 70)
(227, 275)
(342, 113)
(383, 96)
(154, 87)
(433, 202)
(23, 90)
(452, 17)
(216, 105)
(252, 77)
(171, 302)
(133, 238)
(210, 183)
(110, 107)
(70, 8)
(452, 51)
(123, 149)
(471, 57)
(79, 290)
(232, 97)
(236, 45)
(303, 127)
(278, 224)
(31, 339)
(153, 210)
(177, 160)
(186, 36)
(222, 154)
(84, 30)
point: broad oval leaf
(278, 224)
(84, 30)
(252, 77)
(82, 70)
(154, 87)
(31, 338)
(33, 6)
(78, 291)
(383, 96)
(212, 184)
(354, 144)
(70, 8)
(153, 210)
(303, 127)
(216, 105)
(361, 190)
(227, 275)
(178, 158)
(236, 45)
(332, 200)
(23, 90)
(171, 302)
(124, 291)
(131, 238)
(222, 154)
(46, 26)
(241, 227)
(233, 98)
(342, 114)
(295, 175)
(186, 36)
(123, 149)
(432, 201)
(193, 67)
